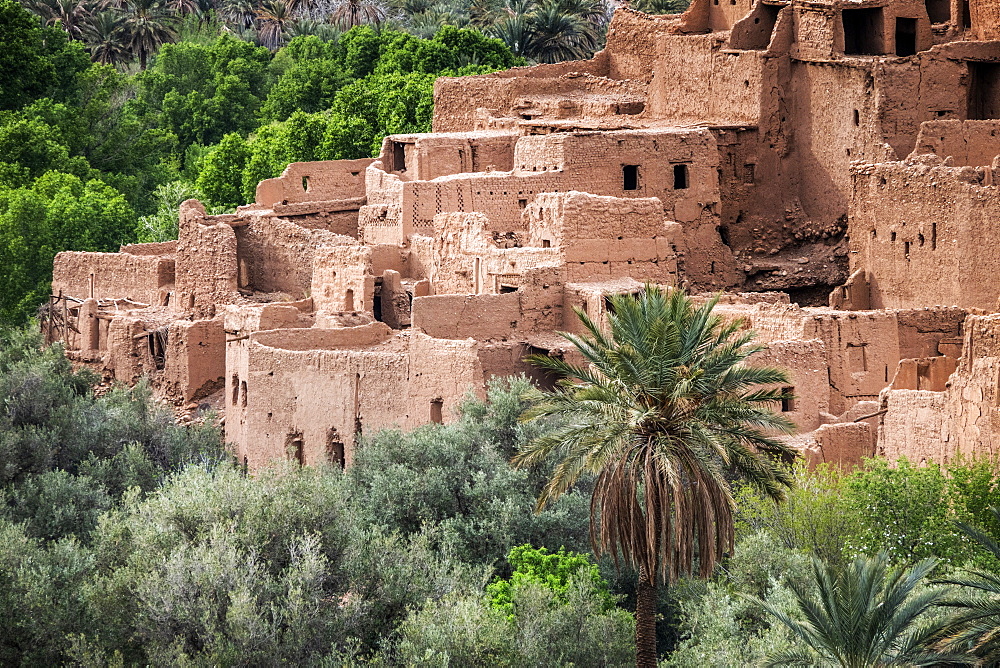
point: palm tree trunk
(645, 621)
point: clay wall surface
(146, 279)
(275, 255)
(916, 232)
(195, 363)
(314, 182)
(317, 395)
(422, 157)
(687, 64)
(206, 262)
(342, 278)
(160, 248)
(967, 143)
(963, 418)
(806, 364)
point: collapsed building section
(803, 147)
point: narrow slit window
(788, 400)
(630, 177)
(680, 177)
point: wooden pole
(52, 312)
(65, 319)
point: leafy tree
(975, 627)
(34, 62)
(663, 406)
(59, 211)
(457, 477)
(553, 571)
(866, 614)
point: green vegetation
(126, 539)
(663, 403)
(92, 156)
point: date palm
(350, 13)
(71, 15)
(274, 17)
(146, 26)
(663, 410)
(975, 628)
(863, 615)
(105, 39)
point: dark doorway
(630, 177)
(335, 449)
(906, 36)
(437, 411)
(863, 31)
(938, 11)
(398, 156)
(680, 177)
(984, 91)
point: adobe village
(830, 164)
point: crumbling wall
(314, 182)
(967, 143)
(195, 363)
(342, 278)
(206, 262)
(146, 279)
(310, 390)
(916, 231)
(276, 256)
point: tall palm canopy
(864, 615)
(975, 628)
(663, 409)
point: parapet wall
(314, 182)
(146, 279)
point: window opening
(984, 91)
(749, 172)
(680, 177)
(398, 156)
(335, 449)
(938, 11)
(506, 289)
(857, 118)
(788, 400)
(349, 300)
(236, 389)
(630, 177)
(243, 393)
(906, 36)
(546, 243)
(437, 411)
(305, 183)
(157, 344)
(863, 31)
(295, 447)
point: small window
(680, 177)
(788, 400)
(349, 300)
(235, 382)
(335, 449)
(295, 447)
(857, 118)
(630, 177)
(522, 203)
(305, 183)
(749, 172)
(506, 289)
(437, 411)
(243, 394)
(546, 243)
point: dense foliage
(92, 156)
(126, 539)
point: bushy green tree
(57, 212)
(457, 477)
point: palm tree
(865, 615)
(275, 17)
(104, 38)
(975, 628)
(71, 15)
(661, 413)
(146, 27)
(350, 13)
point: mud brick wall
(141, 278)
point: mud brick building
(828, 163)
